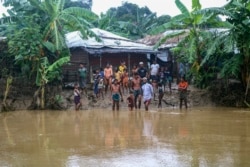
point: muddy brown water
(102, 138)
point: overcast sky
(159, 6)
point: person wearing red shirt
(182, 87)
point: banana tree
(236, 41)
(48, 72)
(37, 37)
(192, 26)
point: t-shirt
(82, 72)
(122, 68)
(142, 72)
(100, 84)
(101, 73)
(154, 69)
(183, 85)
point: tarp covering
(109, 43)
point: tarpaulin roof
(110, 43)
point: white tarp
(73, 39)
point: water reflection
(197, 137)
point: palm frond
(81, 13)
(231, 66)
(60, 5)
(161, 28)
(57, 64)
(57, 37)
(49, 8)
(181, 7)
(196, 5)
(216, 11)
(35, 3)
(50, 46)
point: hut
(112, 49)
(164, 56)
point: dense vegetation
(210, 46)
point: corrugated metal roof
(2, 38)
(109, 40)
(172, 42)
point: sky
(161, 7)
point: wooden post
(100, 55)
(129, 66)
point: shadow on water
(169, 137)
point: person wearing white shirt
(147, 93)
(154, 69)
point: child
(182, 87)
(96, 80)
(160, 95)
(118, 75)
(147, 93)
(125, 80)
(100, 87)
(77, 97)
(161, 77)
(168, 78)
(130, 101)
(116, 94)
(155, 88)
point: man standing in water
(136, 87)
(154, 70)
(147, 92)
(82, 73)
(182, 87)
(116, 95)
(142, 71)
(108, 72)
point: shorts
(168, 79)
(137, 92)
(147, 101)
(131, 105)
(82, 82)
(183, 95)
(154, 77)
(116, 97)
(77, 99)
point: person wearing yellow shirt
(118, 75)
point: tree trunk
(5, 105)
(42, 97)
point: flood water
(102, 138)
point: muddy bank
(23, 98)
(218, 94)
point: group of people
(140, 84)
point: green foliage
(36, 29)
(196, 46)
(48, 72)
(79, 3)
(231, 67)
(237, 39)
(130, 21)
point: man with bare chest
(108, 72)
(116, 95)
(136, 87)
